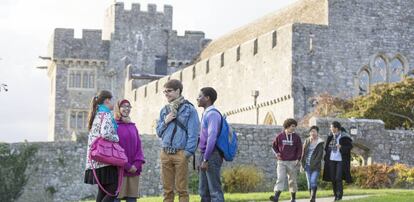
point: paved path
(330, 199)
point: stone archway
(360, 154)
(269, 119)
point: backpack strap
(219, 132)
(177, 123)
(221, 121)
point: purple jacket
(130, 141)
(210, 126)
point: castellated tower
(143, 41)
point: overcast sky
(26, 27)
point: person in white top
(337, 159)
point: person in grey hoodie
(311, 161)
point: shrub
(242, 179)
(403, 176)
(12, 170)
(372, 176)
(193, 183)
(302, 181)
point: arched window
(396, 70)
(363, 78)
(269, 119)
(379, 70)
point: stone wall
(58, 167)
(329, 58)
(373, 142)
(262, 64)
(296, 60)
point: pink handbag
(108, 152)
(111, 153)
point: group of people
(181, 133)
(292, 156)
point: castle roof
(302, 11)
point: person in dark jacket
(312, 155)
(337, 159)
(287, 147)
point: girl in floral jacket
(101, 123)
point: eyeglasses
(125, 107)
(168, 91)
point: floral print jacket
(102, 126)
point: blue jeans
(312, 177)
(128, 199)
(209, 186)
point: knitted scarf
(173, 106)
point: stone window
(382, 69)
(194, 72)
(78, 120)
(207, 66)
(238, 53)
(396, 70)
(81, 79)
(255, 47)
(274, 39)
(222, 60)
(379, 70)
(363, 82)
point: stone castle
(264, 72)
(141, 41)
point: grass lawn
(380, 195)
(387, 195)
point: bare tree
(3, 87)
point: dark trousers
(209, 186)
(335, 170)
(103, 197)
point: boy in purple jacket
(287, 147)
(209, 171)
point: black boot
(293, 197)
(313, 194)
(275, 198)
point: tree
(393, 103)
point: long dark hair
(97, 100)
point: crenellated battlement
(65, 34)
(188, 33)
(136, 9)
(90, 45)
(203, 68)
